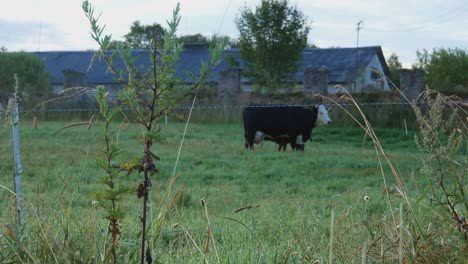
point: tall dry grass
(432, 228)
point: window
(375, 74)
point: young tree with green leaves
(151, 94)
(394, 65)
(445, 70)
(34, 80)
(272, 38)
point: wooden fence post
(18, 166)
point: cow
(282, 124)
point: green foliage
(141, 36)
(295, 194)
(34, 81)
(444, 170)
(110, 197)
(151, 94)
(200, 39)
(446, 70)
(394, 65)
(272, 38)
(196, 38)
(232, 43)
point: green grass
(292, 194)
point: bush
(445, 70)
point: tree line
(271, 38)
(445, 70)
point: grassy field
(309, 207)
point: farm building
(355, 69)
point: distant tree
(196, 38)
(394, 65)
(272, 38)
(446, 70)
(34, 80)
(200, 39)
(115, 44)
(232, 42)
(141, 36)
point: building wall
(372, 81)
(334, 88)
(232, 82)
(369, 80)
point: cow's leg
(299, 143)
(249, 140)
(283, 146)
(298, 147)
(246, 145)
(292, 140)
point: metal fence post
(18, 166)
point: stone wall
(411, 83)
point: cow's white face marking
(322, 116)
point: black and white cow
(282, 124)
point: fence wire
(217, 107)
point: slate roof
(339, 61)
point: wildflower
(366, 198)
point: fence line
(230, 106)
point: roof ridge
(229, 49)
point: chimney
(316, 80)
(411, 83)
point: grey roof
(339, 61)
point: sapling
(151, 93)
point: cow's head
(259, 135)
(322, 115)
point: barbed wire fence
(381, 114)
(226, 106)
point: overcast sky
(399, 26)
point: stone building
(355, 69)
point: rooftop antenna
(358, 28)
(39, 38)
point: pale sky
(399, 26)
